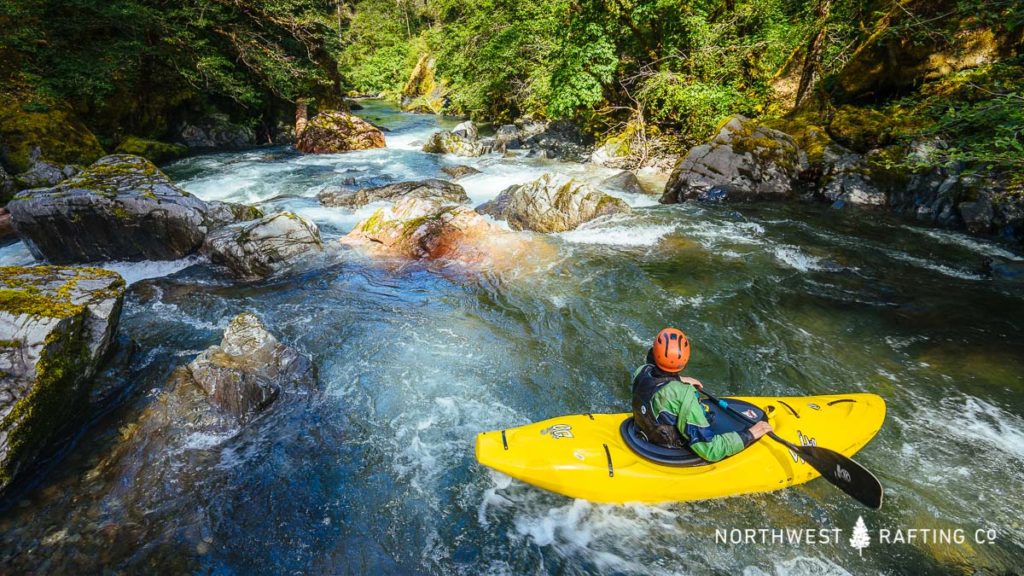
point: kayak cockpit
(721, 421)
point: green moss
(19, 302)
(374, 224)
(861, 129)
(152, 150)
(10, 343)
(61, 137)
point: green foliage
(695, 107)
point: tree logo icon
(860, 539)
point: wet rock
(216, 131)
(438, 190)
(551, 204)
(261, 248)
(223, 213)
(43, 174)
(120, 208)
(56, 325)
(446, 142)
(333, 131)
(508, 137)
(423, 229)
(7, 186)
(6, 224)
(625, 181)
(846, 179)
(560, 139)
(977, 215)
(466, 130)
(751, 162)
(152, 150)
(53, 129)
(460, 171)
(248, 370)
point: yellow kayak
(598, 457)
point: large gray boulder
(551, 204)
(743, 162)
(120, 208)
(260, 248)
(249, 369)
(461, 142)
(56, 326)
(625, 181)
(220, 214)
(459, 171)
(432, 189)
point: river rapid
(375, 474)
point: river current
(375, 473)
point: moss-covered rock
(457, 142)
(152, 150)
(422, 92)
(56, 326)
(120, 208)
(333, 131)
(861, 129)
(745, 161)
(551, 204)
(59, 135)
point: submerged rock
(334, 131)
(120, 208)
(748, 161)
(423, 229)
(57, 325)
(432, 189)
(248, 370)
(459, 171)
(551, 204)
(261, 248)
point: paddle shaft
(840, 471)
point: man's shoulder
(676, 390)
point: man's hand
(760, 429)
(692, 381)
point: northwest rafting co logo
(558, 431)
(859, 537)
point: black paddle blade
(845, 474)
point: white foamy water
(983, 247)
(934, 266)
(17, 254)
(795, 258)
(617, 235)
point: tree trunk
(813, 54)
(301, 116)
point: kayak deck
(584, 456)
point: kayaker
(667, 407)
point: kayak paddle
(841, 471)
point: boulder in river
(432, 189)
(57, 324)
(743, 162)
(423, 229)
(625, 181)
(459, 171)
(261, 248)
(551, 204)
(459, 144)
(223, 213)
(120, 208)
(334, 131)
(508, 137)
(248, 370)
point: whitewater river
(375, 474)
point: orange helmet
(671, 350)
